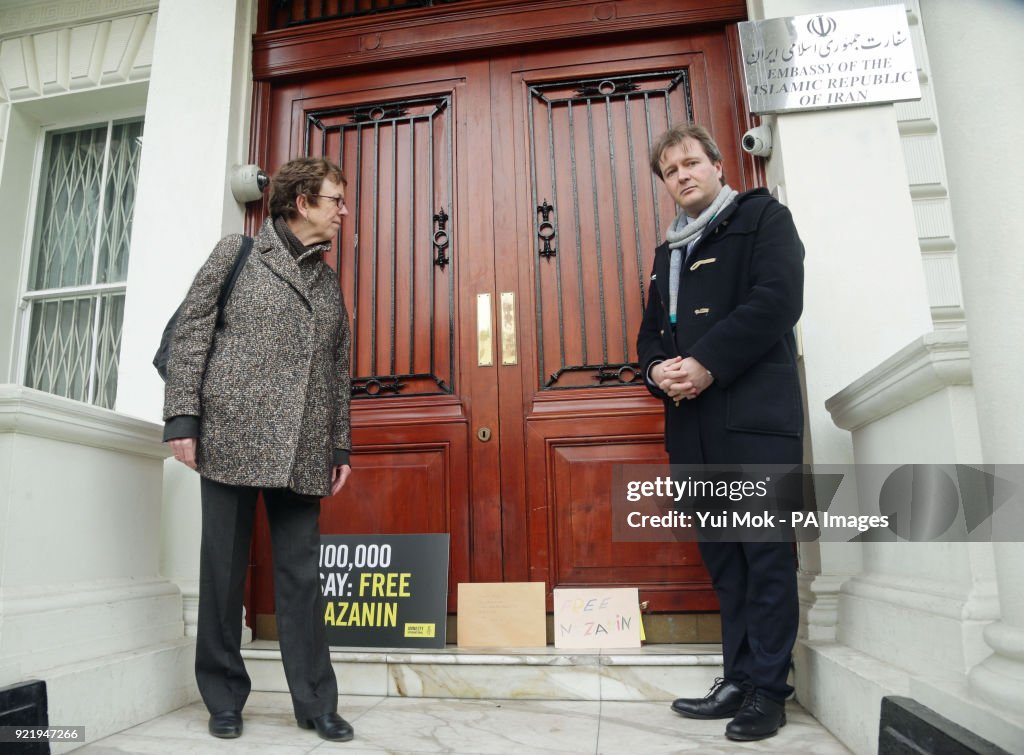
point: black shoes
(226, 724)
(754, 714)
(759, 717)
(723, 701)
(329, 726)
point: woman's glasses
(338, 201)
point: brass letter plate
(509, 353)
(484, 331)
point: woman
(261, 403)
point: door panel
(582, 124)
(399, 263)
(585, 553)
(396, 242)
(588, 139)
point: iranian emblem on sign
(822, 26)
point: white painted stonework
(197, 127)
(20, 16)
(82, 601)
(82, 57)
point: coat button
(662, 331)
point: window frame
(33, 226)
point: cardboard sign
(385, 590)
(502, 614)
(597, 617)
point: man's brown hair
(676, 135)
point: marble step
(653, 672)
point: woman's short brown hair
(301, 176)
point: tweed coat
(740, 296)
(271, 387)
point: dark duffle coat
(740, 295)
(271, 387)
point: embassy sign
(822, 61)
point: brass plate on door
(484, 332)
(483, 434)
(509, 349)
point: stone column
(197, 128)
(999, 679)
(981, 112)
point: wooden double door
(495, 261)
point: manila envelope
(501, 614)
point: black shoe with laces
(723, 701)
(759, 717)
(329, 726)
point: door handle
(509, 349)
(440, 239)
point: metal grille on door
(397, 253)
(597, 210)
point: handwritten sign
(385, 590)
(597, 617)
(502, 614)
(829, 60)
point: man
(717, 346)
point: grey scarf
(685, 233)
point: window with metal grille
(74, 298)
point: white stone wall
(929, 185)
(82, 603)
(981, 105)
(197, 129)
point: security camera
(248, 182)
(758, 141)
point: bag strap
(229, 284)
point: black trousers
(756, 588)
(224, 557)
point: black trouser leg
(756, 588)
(773, 615)
(728, 568)
(298, 600)
(223, 561)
